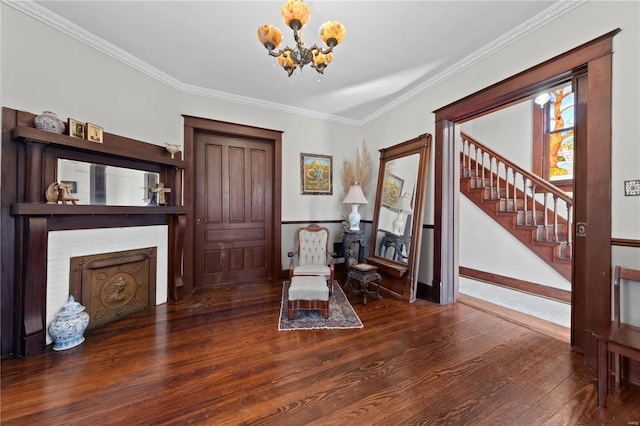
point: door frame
(591, 299)
(193, 125)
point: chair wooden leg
(603, 372)
(617, 360)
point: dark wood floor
(219, 359)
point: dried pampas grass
(358, 171)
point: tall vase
(68, 328)
(49, 122)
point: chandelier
(296, 15)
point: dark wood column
(33, 172)
(32, 293)
(177, 227)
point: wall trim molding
(625, 242)
(555, 294)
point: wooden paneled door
(233, 209)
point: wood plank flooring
(219, 359)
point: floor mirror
(397, 221)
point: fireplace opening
(114, 285)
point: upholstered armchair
(313, 257)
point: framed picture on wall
(391, 190)
(94, 133)
(77, 129)
(316, 174)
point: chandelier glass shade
(296, 14)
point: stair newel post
(515, 192)
(546, 210)
(533, 199)
(569, 226)
(491, 174)
(475, 158)
(524, 196)
(482, 166)
(506, 187)
(468, 158)
(498, 178)
(462, 156)
(555, 218)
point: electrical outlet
(631, 187)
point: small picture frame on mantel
(94, 133)
(77, 129)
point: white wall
(508, 131)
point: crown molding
(55, 21)
(543, 18)
(67, 27)
(245, 100)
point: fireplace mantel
(37, 209)
(29, 158)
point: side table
(395, 241)
(348, 238)
(364, 273)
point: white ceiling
(393, 50)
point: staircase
(534, 211)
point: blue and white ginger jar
(68, 328)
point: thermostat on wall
(632, 187)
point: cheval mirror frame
(400, 278)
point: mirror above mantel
(100, 184)
(397, 222)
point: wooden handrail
(537, 180)
(529, 185)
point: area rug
(341, 314)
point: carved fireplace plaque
(114, 285)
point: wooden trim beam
(621, 242)
(551, 293)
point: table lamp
(354, 197)
(403, 207)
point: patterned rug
(341, 314)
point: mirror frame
(401, 279)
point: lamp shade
(269, 36)
(332, 33)
(295, 13)
(320, 58)
(287, 62)
(355, 196)
(403, 204)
